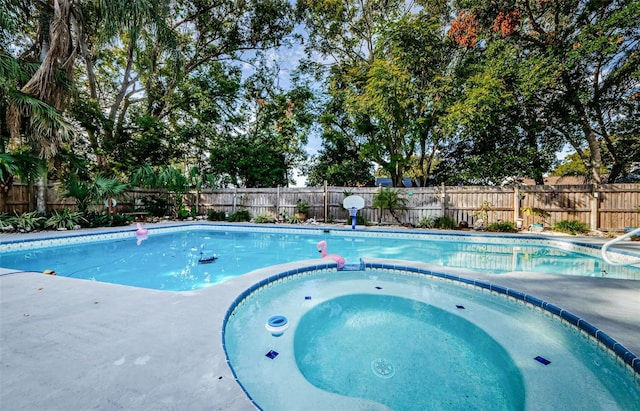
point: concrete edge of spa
(68, 344)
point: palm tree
(34, 105)
(168, 178)
(390, 200)
(15, 158)
(23, 114)
(95, 191)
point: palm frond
(24, 165)
(48, 127)
(108, 187)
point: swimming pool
(386, 338)
(169, 258)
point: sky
(287, 57)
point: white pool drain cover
(383, 368)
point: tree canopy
(496, 91)
(457, 92)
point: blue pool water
(169, 260)
(393, 340)
(387, 344)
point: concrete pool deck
(68, 344)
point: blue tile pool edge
(606, 342)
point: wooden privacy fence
(607, 207)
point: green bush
(570, 227)
(503, 227)
(390, 200)
(302, 207)
(185, 212)
(265, 218)
(427, 222)
(5, 221)
(157, 206)
(104, 219)
(215, 215)
(121, 219)
(65, 219)
(240, 216)
(26, 222)
(446, 223)
(90, 191)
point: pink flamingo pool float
(322, 248)
(141, 233)
(140, 230)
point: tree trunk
(41, 194)
(595, 157)
(5, 187)
(3, 201)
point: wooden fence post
(235, 194)
(443, 201)
(278, 203)
(379, 209)
(595, 205)
(516, 203)
(325, 197)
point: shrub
(240, 216)
(215, 215)
(5, 222)
(536, 212)
(265, 218)
(427, 222)
(483, 211)
(104, 219)
(65, 219)
(503, 226)
(98, 219)
(294, 219)
(570, 227)
(157, 206)
(121, 219)
(446, 223)
(390, 200)
(92, 191)
(302, 207)
(184, 212)
(26, 222)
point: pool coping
(77, 344)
